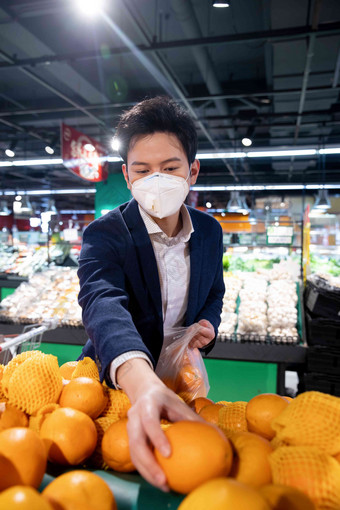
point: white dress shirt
(173, 263)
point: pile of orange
(271, 453)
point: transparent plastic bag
(180, 367)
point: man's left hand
(204, 336)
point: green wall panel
(64, 352)
(4, 292)
(239, 380)
(111, 193)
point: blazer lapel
(195, 244)
(146, 256)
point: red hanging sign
(83, 155)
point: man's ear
(126, 176)
(195, 168)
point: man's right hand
(151, 400)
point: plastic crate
(321, 382)
(322, 301)
(322, 331)
(323, 360)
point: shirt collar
(152, 227)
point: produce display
(50, 294)
(25, 260)
(261, 305)
(329, 266)
(270, 453)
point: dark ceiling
(268, 64)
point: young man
(147, 266)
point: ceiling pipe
(284, 34)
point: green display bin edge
(130, 490)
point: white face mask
(159, 194)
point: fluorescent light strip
(266, 187)
(284, 153)
(221, 155)
(50, 192)
(202, 156)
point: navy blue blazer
(120, 291)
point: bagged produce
(180, 367)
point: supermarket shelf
(267, 353)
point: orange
(23, 498)
(199, 452)
(84, 394)
(251, 459)
(22, 458)
(12, 417)
(282, 497)
(198, 403)
(260, 412)
(67, 369)
(96, 459)
(81, 488)
(70, 436)
(37, 419)
(337, 457)
(289, 399)
(169, 383)
(224, 494)
(210, 413)
(189, 378)
(232, 418)
(115, 447)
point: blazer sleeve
(212, 308)
(103, 296)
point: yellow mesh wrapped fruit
(232, 418)
(118, 404)
(314, 472)
(37, 419)
(102, 424)
(12, 365)
(311, 419)
(86, 368)
(34, 383)
(3, 397)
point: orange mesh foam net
(232, 418)
(34, 382)
(311, 419)
(37, 419)
(86, 368)
(117, 405)
(3, 397)
(314, 472)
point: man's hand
(151, 400)
(205, 335)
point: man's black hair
(157, 115)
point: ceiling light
(208, 205)
(115, 144)
(221, 155)
(234, 204)
(322, 200)
(90, 7)
(18, 198)
(4, 211)
(283, 153)
(51, 208)
(252, 217)
(244, 209)
(9, 153)
(248, 139)
(219, 3)
(49, 149)
(330, 150)
(247, 142)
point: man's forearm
(134, 376)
